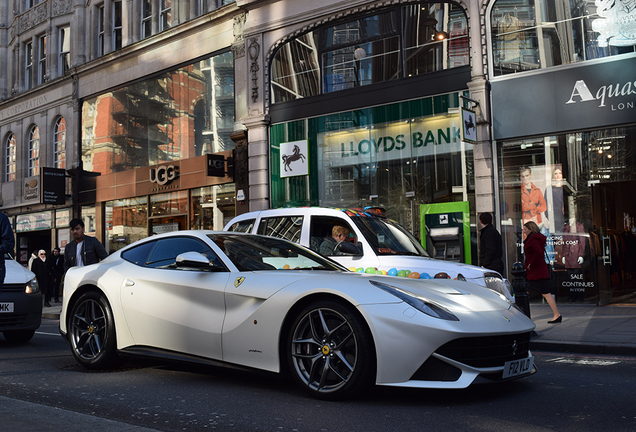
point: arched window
(60, 143)
(34, 152)
(9, 161)
(398, 43)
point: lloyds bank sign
(595, 94)
(389, 141)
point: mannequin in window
(573, 256)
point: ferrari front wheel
(330, 351)
(92, 332)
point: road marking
(587, 362)
(49, 334)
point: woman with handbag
(537, 271)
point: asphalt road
(569, 393)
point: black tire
(18, 336)
(91, 330)
(330, 353)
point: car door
(171, 308)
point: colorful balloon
(360, 270)
(353, 269)
(401, 273)
(425, 276)
(392, 272)
(370, 270)
(414, 275)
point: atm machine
(445, 231)
(447, 243)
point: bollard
(520, 287)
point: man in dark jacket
(7, 243)
(83, 250)
(56, 269)
(490, 247)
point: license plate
(518, 367)
(6, 307)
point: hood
(16, 274)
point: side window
(286, 227)
(321, 233)
(244, 226)
(139, 254)
(166, 251)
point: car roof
(307, 211)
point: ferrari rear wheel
(330, 352)
(92, 332)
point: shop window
(382, 156)
(370, 50)
(64, 62)
(212, 207)
(126, 222)
(576, 187)
(9, 161)
(536, 34)
(59, 134)
(178, 114)
(34, 152)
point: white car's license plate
(518, 367)
(6, 307)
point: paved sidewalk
(585, 328)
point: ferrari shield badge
(238, 281)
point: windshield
(387, 237)
(253, 253)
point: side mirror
(349, 248)
(195, 260)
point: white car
(20, 303)
(266, 303)
(382, 244)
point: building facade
(169, 114)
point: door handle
(130, 283)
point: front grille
(14, 288)
(487, 351)
(12, 320)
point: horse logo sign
(469, 129)
(293, 159)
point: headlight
(32, 286)
(419, 303)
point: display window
(576, 187)
(126, 222)
(397, 156)
(212, 207)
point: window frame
(10, 158)
(59, 156)
(34, 152)
(165, 12)
(42, 76)
(28, 65)
(64, 55)
(117, 30)
(146, 20)
(100, 31)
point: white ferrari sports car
(225, 298)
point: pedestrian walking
(56, 269)
(41, 270)
(6, 245)
(490, 246)
(537, 272)
(83, 250)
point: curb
(582, 348)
